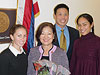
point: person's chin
(46, 44)
(21, 45)
(83, 34)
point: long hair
(88, 17)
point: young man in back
(61, 16)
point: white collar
(15, 51)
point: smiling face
(61, 17)
(84, 26)
(46, 36)
(19, 38)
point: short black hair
(61, 6)
(43, 25)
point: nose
(46, 36)
(23, 38)
(81, 27)
(63, 16)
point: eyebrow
(85, 22)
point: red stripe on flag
(36, 8)
(30, 11)
(27, 18)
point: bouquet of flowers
(43, 67)
(44, 71)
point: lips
(82, 31)
(22, 43)
(45, 40)
(62, 21)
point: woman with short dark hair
(46, 34)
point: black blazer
(73, 34)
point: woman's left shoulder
(96, 41)
(97, 38)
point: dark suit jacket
(73, 34)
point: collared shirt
(66, 33)
(15, 51)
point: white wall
(8, 4)
(76, 7)
(46, 11)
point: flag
(27, 10)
